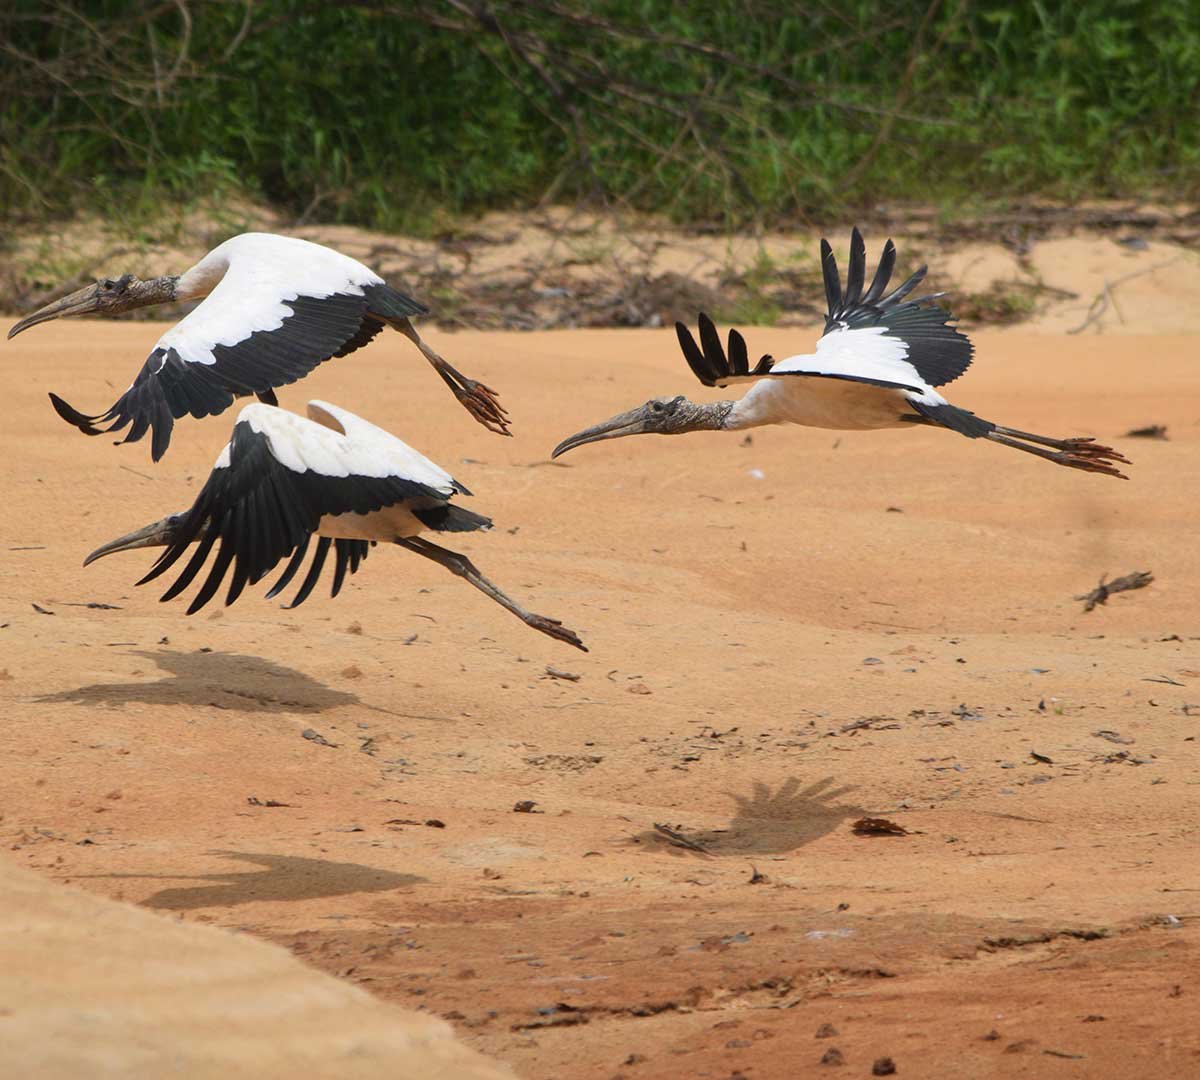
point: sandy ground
(786, 634)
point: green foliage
(398, 114)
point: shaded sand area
(787, 633)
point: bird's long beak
(635, 422)
(83, 302)
(157, 534)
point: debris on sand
(526, 806)
(826, 1031)
(1150, 431)
(869, 723)
(877, 826)
(312, 735)
(1139, 579)
(558, 673)
(833, 1056)
(883, 1066)
(678, 839)
(255, 801)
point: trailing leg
(1079, 453)
(1076, 453)
(462, 567)
(480, 400)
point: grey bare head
(108, 296)
(659, 416)
(157, 534)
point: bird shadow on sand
(768, 822)
(284, 878)
(222, 679)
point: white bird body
(273, 308)
(283, 479)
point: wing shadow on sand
(284, 877)
(769, 822)
(221, 679)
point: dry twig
(1139, 579)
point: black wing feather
(290, 570)
(883, 274)
(939, 352)
(169, 388)
(833, 283)
(314, 572)
(856, 272)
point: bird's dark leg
(480, 400)
(1078, 453)
(1081, 443)
(462, 567)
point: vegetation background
(398, 115)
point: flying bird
(275, 307)
(283, 479)
(876, 366)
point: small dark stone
(883, 1066)
(312, 735)
(833, 1056)
(826, 1031)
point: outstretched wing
(714, 367)
(937, 352)
(278, 477)
(282, 307)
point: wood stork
(275, 308)
(876, 366)
(283, 479)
